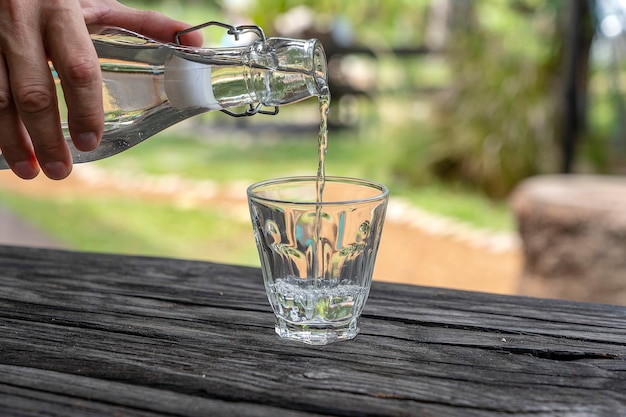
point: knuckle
(6, 99)
(87, 119)
(50, 147)
(82, 71)
(10, 148)
(35, 98)
(148, 16)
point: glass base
(317, 334)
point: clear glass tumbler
(317, 258)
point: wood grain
(87, 334)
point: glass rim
(384, 191)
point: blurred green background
(449, 103)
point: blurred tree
(511, 98)
(376, 23)
(515, 106)
(577, 34)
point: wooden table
(106, 335)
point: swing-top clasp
(235, 31)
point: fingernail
(56, 170)
(25, 170)
(88, 141)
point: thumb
(149, 23)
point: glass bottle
(149, 86)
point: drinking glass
(317, 257)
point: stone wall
(573, 232)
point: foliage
(496, 124)
(383, 22)
(374, 22)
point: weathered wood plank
(86, 334)
(89, 396)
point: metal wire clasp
(235, 31)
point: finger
(76, 62)
(35, 100)
(149, 23)
(15, 143)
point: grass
(96, 222)
(104, 224)
(234, 155)
(461, 204)
(229, 154)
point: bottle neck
(273, 72)
(288, 70)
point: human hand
(35, 31)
